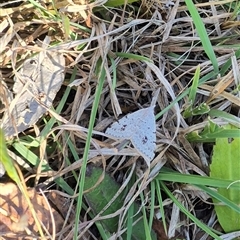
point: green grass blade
(130, 214)
(12, 173)
(160, 202)
(193, 89)
(220, 197)
(35, 161)
(152, 212)
(202, 34)
(188, 214)
(114, 80)
(133, 56)
(224, 115)
(145, 222)
(192, 93)
(99, 88)
(197, 180)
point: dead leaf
(35, 88)
(15, 216)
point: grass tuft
(120, 57)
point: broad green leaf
(226, 165)
(102, 194)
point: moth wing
(140, 128)
(121, 129)
(144, 137)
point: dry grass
(96, 45)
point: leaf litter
(35, 88)
(163, 34)
(15, 215)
